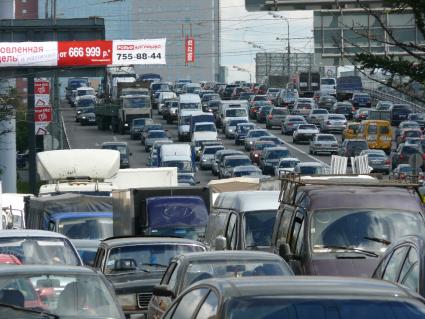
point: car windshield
(279, 111)
(233, 162)
(86, 227)
(184, 166)
(259, 228)
(137, 102)
(326, 138)
(219, 268)
(306, 106)
(236, 112)
(39, 250)
(212, 150)
(288, 164)
(260, 146)
(307, 127)
(357, 145)
(257, 133)
(67, 296)
(156, 134)
(189, 106)
(327, 81)
(410, 150)
(246, 128)
(415, 117)
(205, 128)
(367, 229)
(86, 102)
(336, 118)
(311, 170)
(260, 98)
(375, 155)
(406, 169)
(152, 127)
(247, 172)
(276, 154)
(140, 257)
(274, 307)
(139, 122)
(320, 112)
(413, 133)
(296, 119)
(275, 140)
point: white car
(333, 123)
(286, 164)
(304, 133)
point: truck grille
(143, 299)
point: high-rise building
(148, 19)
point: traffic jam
(254, 202)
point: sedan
(309, 168)
(257, 150)
(286, 165)
(271, 157)
(185, 270)
(378, 161)
(137, 126)
(304, 133)
(247, 171)
(333, 122)
(207, 156)
(147, 128)
(316, 116)
(263, 112)
(230, 162)
(276, 116)
(88, 116)
(326, 102)
(361, 114)
(291, 122)
(241, 131)
(252, 136)
(323, 143)
(153, 136)
(406, 172)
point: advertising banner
(130, 52)
(72, 53)
(190, 50)
(23, 54)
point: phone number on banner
(129, 52)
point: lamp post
(274, 15)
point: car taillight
(290, 124)
(387, 161)
(270, 117)
(401, 156)
(402, 176)
(423, 156)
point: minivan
(377, 133)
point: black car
(134, 265)
(270, 158)
(296, 298)
(326, 102)
(345, 108)
(399, 113)
(361, 100)
(418, 118)
(352, 147)
(137, 126)
(403, 262)
(404, 152)
(122, 147)
(190, 268)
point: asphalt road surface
(90, 137)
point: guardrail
(375, 94)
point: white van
(184, 118)
(189, 102)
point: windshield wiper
(378, 240)
(351, 249)
(43, 314)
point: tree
(412, 65)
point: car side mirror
(220, 243)
(285, 252)
(162, 291)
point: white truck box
(144, 178)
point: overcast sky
(240, 27)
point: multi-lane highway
(90, 137)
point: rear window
(357, 144)
(409, 150)
(373, 129)
(304, 106)
(280, 111)
(320, 112)
(326, 138)
(384, 130)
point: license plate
(376, 162)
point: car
(258, 98)
(86, 249)
(304, 106)
(360, 99)
(277, 141)
(408, 133)
(257, 150)
(137, 126)
(147, 128)
(154, 136)
(418, 118)
(403, 263)
(85, 102)
(286, 99)
(361, 114)
(286, 165)
(399, 113)
(304, 133)
(252, 136)
(291, 122)
(326, 102)
(218, 157)
(206, 98)
(230, 162)
(295, 298)
(323, 143)
(207, 155)
(378, 161)
(309, 168)
(350, 131)
(187, 269)
(247, 171)
(255, 108)
(407, 172)
(263, 113)
(186, 179)
(245, 95)
(345, 108)
(406, 125)
(87, 116)
(276, 116)
(352, 147)
(134, 265)
(272, 94)
(271, 157)
(333, 123)
(341, 225)
(39, 247)
(230, 126)
(122, 147)
(383, 105)
(61, 291)
(316, 116)
(241, 131)
(403, 153)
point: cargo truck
(170, 211)
(308, 83)
(346, 86)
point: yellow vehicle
(350, 131)
(377, 133)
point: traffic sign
(41, 87)
(41, 131)
(43, 114)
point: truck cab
(131, 107)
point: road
(90, 137)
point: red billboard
(190, 50)
(78, 53)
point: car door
(99, 259)
(215, 226)
(296, 241)
(281, 228)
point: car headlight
(127, 301)
(210, 110)
(250, 142)
(78, 112)
(230, 130)
(83, 117)
(126, 124)
(256, 155)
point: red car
(257, 150)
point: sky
(260, 28)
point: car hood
(133, 282)
(345, 266)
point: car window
(296, 231)
(208, 309)
(373, 129)
(166, 278)
(215, 227)
(394, 264)
(384, 130)
(189, 303)
(409, 275)
(231, 232)
(380, 269)
(284, 225)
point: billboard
(286, 5)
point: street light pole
(274, 15)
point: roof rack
(290, 182)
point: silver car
(378, 160)
(207, 156)
(230, 126)
(230, 162)
(286, 165)
(324, 143)
(333, 123)
(252, 136)
(276, 116)
(316, 116)
(153, 136)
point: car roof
(248, 200)
(236, 156)
(121, 241)
(315, 287)
(229, 255)
(114, 143)
(310, 164)
(4, 233)
(9, 269)
(85, 243)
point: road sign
(190, 50)
(275, 5)
(41, 87)
(40, 130)
(42, 108)
(43, 114)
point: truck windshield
(39, 250)
(327, 81)
(259, 228)
(86, 227)
(189, 106)
(368, 229)
(236, 112)
(140, 102)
